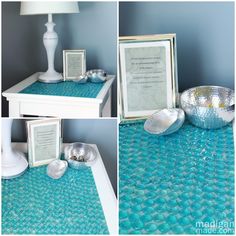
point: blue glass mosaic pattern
(177, 184)
(36, 204)
(67, 88)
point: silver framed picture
(44, 141)
(74, 64)
(148, 75)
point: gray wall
(205, 36)
(23, 53)
(102, 132)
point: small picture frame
(148, 75)
(74, 64)
(44, 141)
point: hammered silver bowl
(208, 107)
(80, 155)
(96, 76)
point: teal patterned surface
(36, 204)
(177, 184)
(67, 88)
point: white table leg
(106, 112)
(14, 109)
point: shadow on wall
(23, 53)
(205, 36)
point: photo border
(31, 125)
(171, 38)
(66, 53)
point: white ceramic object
(14, 162)
(50, 40)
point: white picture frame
(148, 75)
(44, 141)
(74, 64)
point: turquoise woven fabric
(177, 184)
(36, 204)
(67, 88)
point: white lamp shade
(48, 7)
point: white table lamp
(50, 38)
(14, 163)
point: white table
(104, 188)
(58, 106)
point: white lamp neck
(50, 18)
(50, 25)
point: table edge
(13, 92)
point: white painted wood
(106, 194)
(64, 110)
(104, 188)
(106, 110)
(106, 87)
(55, 106)
(14, 109)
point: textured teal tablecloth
(36, 204)
(68, 89)
(177, 184)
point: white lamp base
(50, 77)
(10, 170)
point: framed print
(148, 75)
(74, 64)
(44, 141)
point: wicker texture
(67, 88)
(36, 204)
(169, 183)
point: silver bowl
(80, 155)
(165, 122)
(177, 124)
(56, 169)
(208, 107)
(97, 76)
(81, 79)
